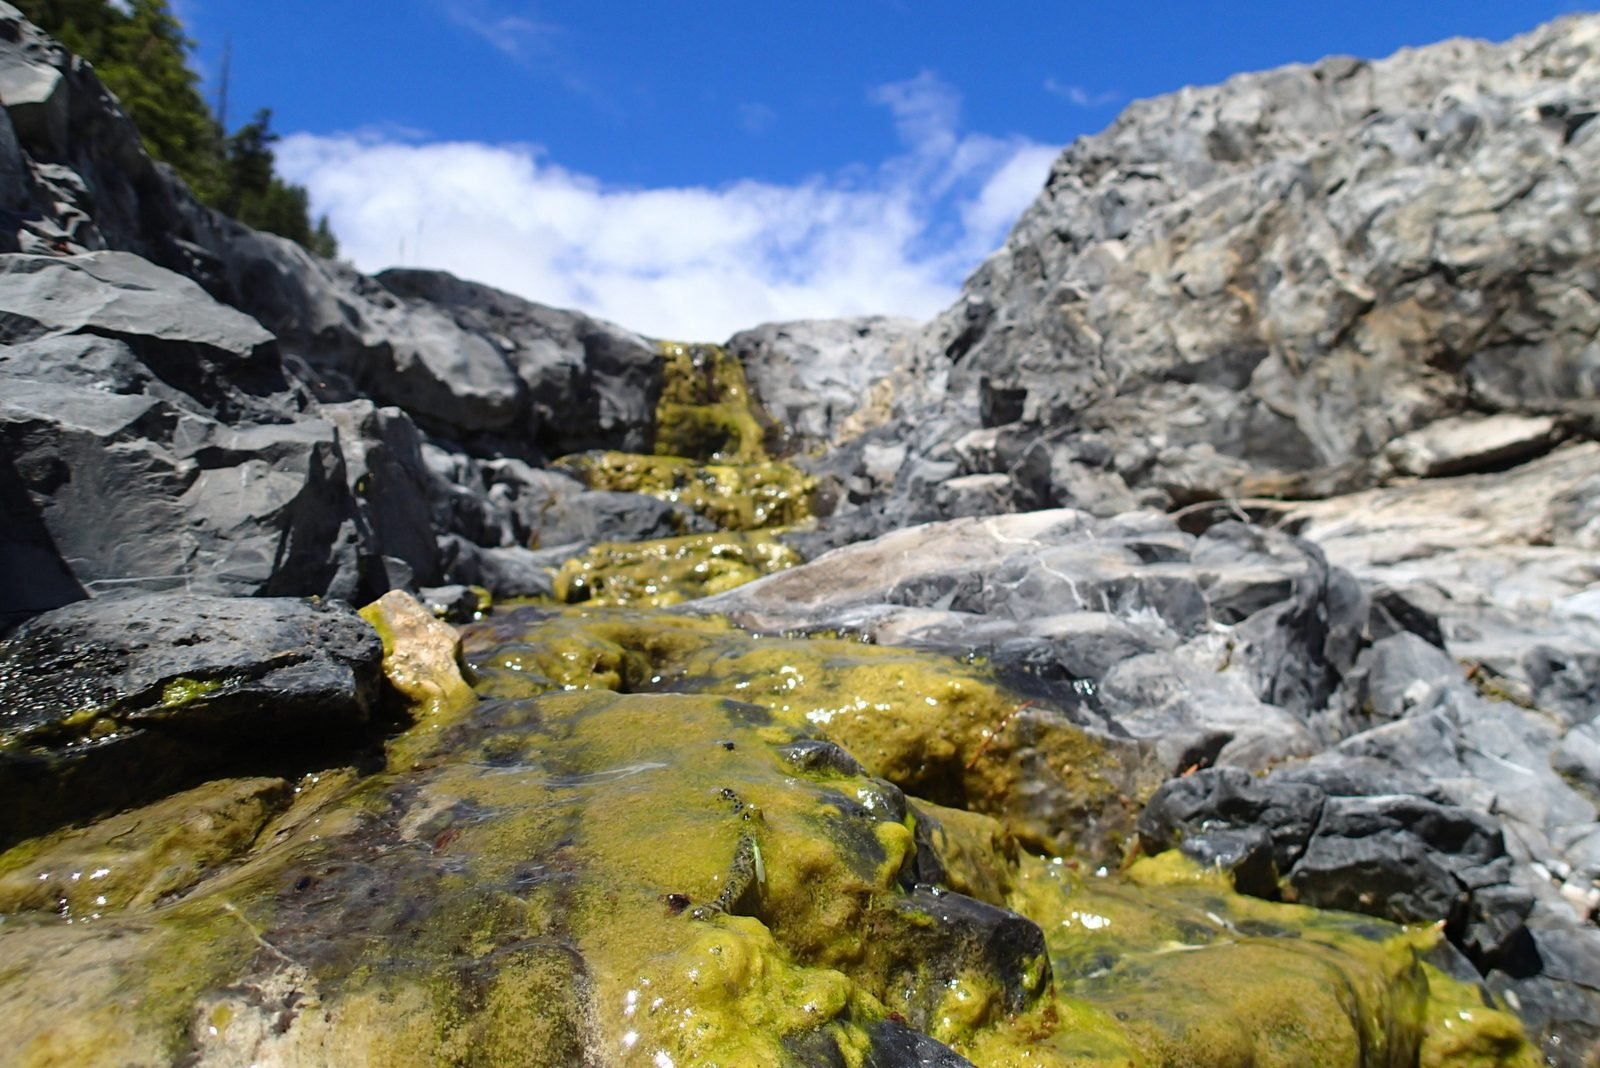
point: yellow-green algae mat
(669, 571)
(710, 456)
(556, 872)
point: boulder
(125, 491)
(1332, 838)
(222, 358)
(587, 383)
(1299, 282)
(117, 701)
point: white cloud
(1078, 96)
(697, 262)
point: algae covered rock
(113, 702)
(668, 571)
(1166, 966)
(710, 449)
(733, 496)
(570, 873)
(582, 876)
(706, 409)
(421, 653)
(933, 726)
(139, 858)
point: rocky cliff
(1277, 285)
(1242, 513)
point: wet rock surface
(594, 873)
(179, 687)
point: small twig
(1004, 722)
(255, 934)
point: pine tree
(142, 55)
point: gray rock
(189, 341)
(1187, 810)
(1257, 287)
(969, 495)
(454, 604)
(596, 516)
(1404, 673)
(1453, 446)
(1400, 857)
(445, 375)
(16, 185)
(815, 377)
(134, 493)
(390, 484)
(36, 97)
(1563, 1017)
(588, 384)
(1120, 606)
(506, 571)
(1332, 838)
(1578, 755)
(117, 701)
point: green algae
(1165, 964)
(584, 866)
(671, 570)
(711, 459)
(138, 858)
(709, 455)
(751, 496)
(180, 693)
(935, 727)
(529, 865)
(706, 408)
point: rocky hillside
(1296, 283)
(1218, 575)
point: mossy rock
(936, 727)
(575, 876)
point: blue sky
(689, 169)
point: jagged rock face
(462, 359)
(163, 369)
(1256, 286)
(153, 441)
(818, 377)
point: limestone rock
(421, 654)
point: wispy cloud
(1078, 96)
(516, 34)
(896, 236)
